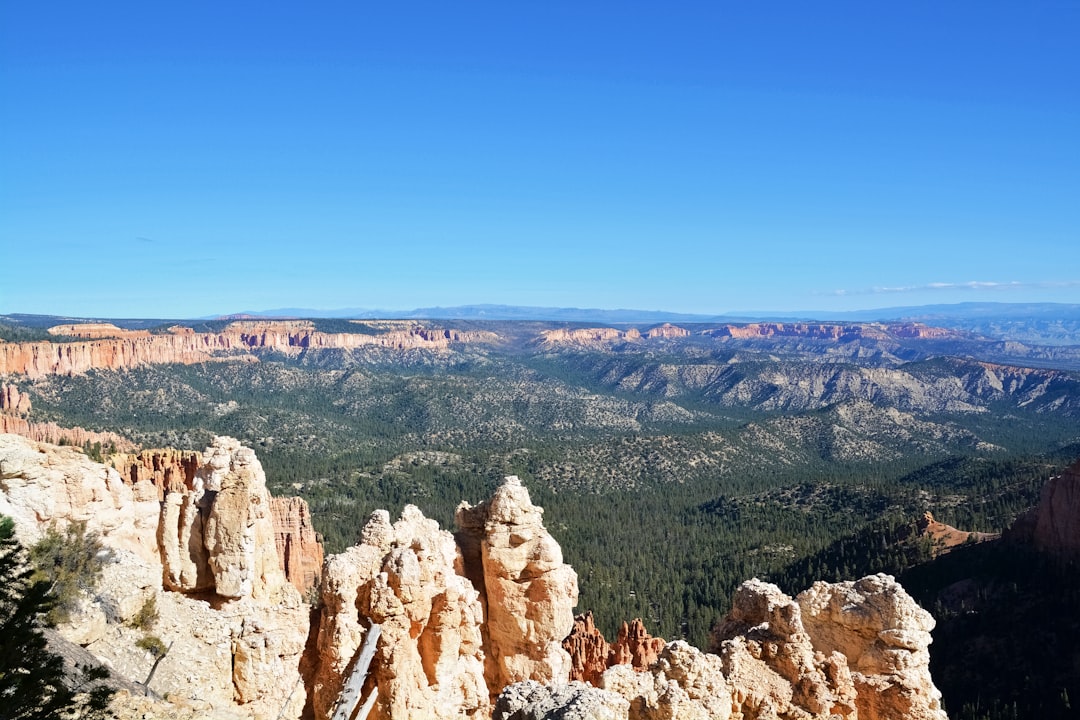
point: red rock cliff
(299, 547)
(181, 345)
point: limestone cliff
(126, 349)
(667, 330)
(299, 547)
(606, 336)
(588, 336)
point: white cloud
(970, 285)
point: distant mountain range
(923, 313)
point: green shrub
(68, 563)
(151, 644)
(147, 615)
(34, 684)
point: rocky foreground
(472, 624)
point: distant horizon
(501, 312)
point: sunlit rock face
(127, 349)
(461, 617)
(196, 546)
(842, 650)
(529, 592)
(405, 577)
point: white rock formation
(405, 577)
(529, 592)
(237, 654)
(683, 683)
(885, 637)
(530, 700)
(45, 485)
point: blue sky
(197, 158)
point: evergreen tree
(33, 683)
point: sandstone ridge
(835, 332)
(108, 350)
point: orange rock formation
(180, 345)
(591, 654)
(299, 547)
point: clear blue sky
(186, 159)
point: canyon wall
(590, 337)
(184, 346)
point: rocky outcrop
(529, 593)
(94, 331)
(530, 700)
(1053, 525)
(237, 643)
(42, 485)
(174, 476)
(683, 683)
(181, 345)
(406, 577)
(588, 650)
(635, 647)
(944, 538)
(588, 336)
(667, 331)
(850, 649)
(769, 659)
(591, 654)
(461, 617)
(299, 547)
(844, 650)
(217, 534)
(13, 402)
(884, 637)
(167, 470)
